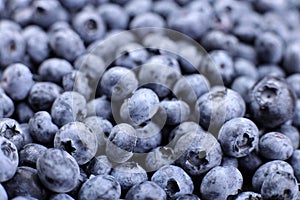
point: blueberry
(221, 182)
(294, 81)
(7, 24)
(89, 26)
(3, 194)
(121, 142)
(57, 26)
(136, 7)
(188, 197)
(93, 188)
(292, 58)
(42, 128)
(159, 157)
(66, 44)
(9, 159)
(288, 189)
(11, 130)
(249, 196)
(26, 182)
(30, 153)
(176, 111)
(24, 198)
(129, 174)
(243, 67)
(99, 165)
(53, 69)
(296, 117)
(68, 107)
(229, 162)
(58, 170)
(229, 103)
(198, 152)
(101, 127)
(146, 190)
(23, 16)
(23, 112)
(148, 19)
(78, 140)
(173, 180)
(118, 82)
(74, 5)
(114, 16)
(100, 107)
(291, 132)
(167, 60)
(247, 52)
(61, 197)
(272, 102)
(8, 105)
(270, 69)
(250, 163)
(17, 81)
(243, 85)
(275, 146)
(12, 47)
(165, 8)
(294, 161)
(27, 137)
(268, 168)
(265, 6)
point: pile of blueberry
(149, 99)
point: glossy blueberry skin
(58, 170)
(118, 82)
(26, 182)
(291, 132)
(142, 105)
(238, 137)
(30, 153)
(100, 127)
(53, 69)
(176, 111)
(7, 105)
(68, 107)
(173, 180)
(198, 152)
(294, 81)
(3, 194)
(129, 174)
(146, 190)
(221, 182)
(248, 195)
(294, 162)
(78, 140)
(73, 5)
(61, 197)
(23, 112)
(230, 103)
(275, 146)
(99, 165)
(114, 16)
(273, 102)
(11, 130)
(89, 26)
(250, 163)
(9, 159)
(121, 142)
(100, 107)
(159, 157)
(288, 189)
(268, 168)
(12, 47)
(93, 188)
(188, 197)
(66, 44)
(243, 85)
(17, 81)
(43, 94)
(42, 128)
(292, 58)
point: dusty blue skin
(294, 161)
(270, 69)
(100, 107)
(42, 128)
(243, 86)
(229, 161)
(93, 188)
(174, 180)
(250, 163)
(294, 81)
(24, 198)
(146, 190)
(3, 194)
(243, 67)
(176, 111)
(129, 174)
(7, 105)
(9, 159)
(159, 157)
(61, 197)
(136, 7)
(73, 5)
(248, 195)
(188, 197)
(292, 58)
(99, 165)
(11, 130)
(23, 112)
(291, 132)
(220, 182)
(30, 153)
(147, 20)
(58, 170)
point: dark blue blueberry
(158, 158)
(23, 112)
(30, 153)
(43, 94)
(146, 190)
(243, 67)
(3, 194)
(74, 5)
(229, 162)
(188, 197)
(221, 182)
(294, 81)
(238, 137)
(248, 196)
(118, 82)
(54, 69)
(78, 140)
(68, 107)
(273, 102)
(114, 16)
(265, 6)
(67, 44)
(250, 163)
(57, 26)
(294, 161)
(42, 128)
(99, 165)
(11, 130)
(7, 105)
(291, 132)
(268, 168)
(270, 69)
(296, 118)
(58, 170)
(173, 180)
(100, 107)
(93, 188)
(287, 189)
(243, 85)
(61, 196)
(176, 111)
(136, 7)
(89, 26)
(129, 174)
(17, 81)
(120, 143)
(27, 137)
(9, 159)
(292, 58)
(26, 182)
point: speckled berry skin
(294, 161)
(9, 159)
(93, 188)
(30, 153)
(58, 170)
(78, 140)
(146, 190)
(99, 165)
(272, 102)
(159, 157)
(61, 197)
(248, 196)
(291, 132)
(10, 129)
